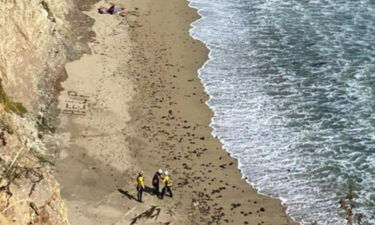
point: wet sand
(137, 104)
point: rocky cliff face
(28, 193)
(37, 37)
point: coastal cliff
(37, 38)
(134, 103)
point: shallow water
(292, 86)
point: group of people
(158, 178)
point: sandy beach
(136, 103)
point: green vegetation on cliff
(9, 105)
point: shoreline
(203, 97)
(146, 110)
(243, 176)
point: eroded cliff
(37, 37)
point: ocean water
(292, 87)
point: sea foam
(291, 84)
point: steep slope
(36, 39)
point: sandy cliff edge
(37, 38)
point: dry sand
(136, 104)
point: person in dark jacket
(156, 182)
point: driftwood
(151, 213)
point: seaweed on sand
(347, 204)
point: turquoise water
(292, 86)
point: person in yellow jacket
(167, 185)
(140, 186)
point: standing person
(156, 181)
(167, 185)
(140, 186)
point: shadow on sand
(147, 189)
(131, 197)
